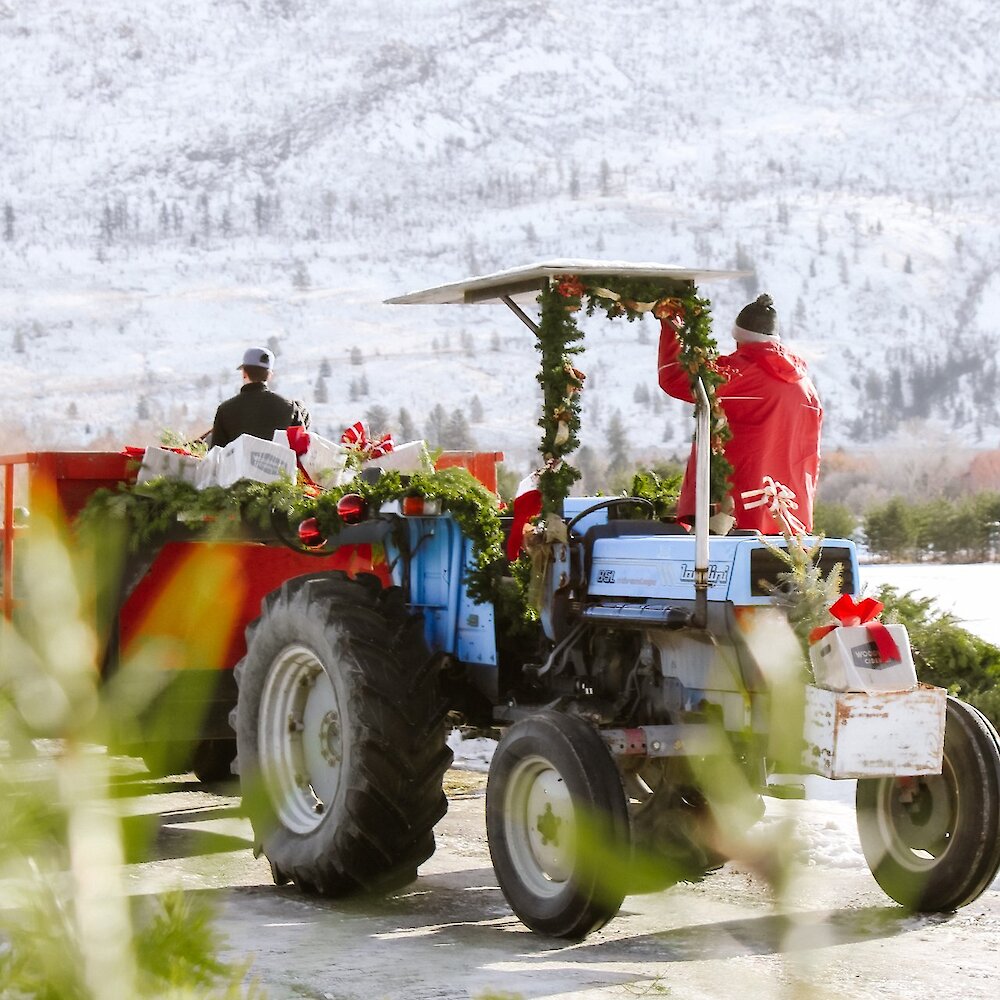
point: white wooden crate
(855, 734)
(253, 458)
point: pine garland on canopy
(675, 301)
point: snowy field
(969, 591)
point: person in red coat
(775, 416)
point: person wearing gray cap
(255, 409)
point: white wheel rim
(539, 824)
(300, 741)
(918, 833)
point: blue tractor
(658, 693)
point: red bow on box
(298, 440)
(356, 437)
(847, 611)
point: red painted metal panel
(482, 464)
(74, 475)
(260, 569)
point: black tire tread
(971, 863)
(394, 795)
(588, 900)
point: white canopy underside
(522, 284)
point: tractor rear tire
(213, 761)
(340, 736)
(557, 824)
(933, 842)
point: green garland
(475, 509)
(675, 301)
(558, 341)
(148, 510)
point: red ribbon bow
(847, 611)
(356, 437)
(298, 440)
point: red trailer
(186, 602)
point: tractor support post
(520, 314)
(703, 458)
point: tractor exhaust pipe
(703, 458)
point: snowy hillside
(181, 180)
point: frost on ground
(473, 754)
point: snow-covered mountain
(179, 181)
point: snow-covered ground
(968, 591)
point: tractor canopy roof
(522, 284)
(563, 287)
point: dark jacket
(258, 411)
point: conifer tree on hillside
(407, 429)
(378, 420)
(616, 437)
(458, 436)
(437, 426)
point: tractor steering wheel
(610, 502)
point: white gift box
(847, 659)
(410, 458)
(208, 469)
(158, 462)
(250, 457)
(324, 461)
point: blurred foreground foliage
(72, 925)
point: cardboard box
(250, 457)
(325, 461)
(208, 469)
(158, 462)
(847, 659)
(851, 734)
(406, 458)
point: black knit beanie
(759, 317)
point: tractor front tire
(933, 842)
(557, 824)
(340, 733)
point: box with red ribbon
(323, 462)
(860, 653)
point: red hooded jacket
(775, 416)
